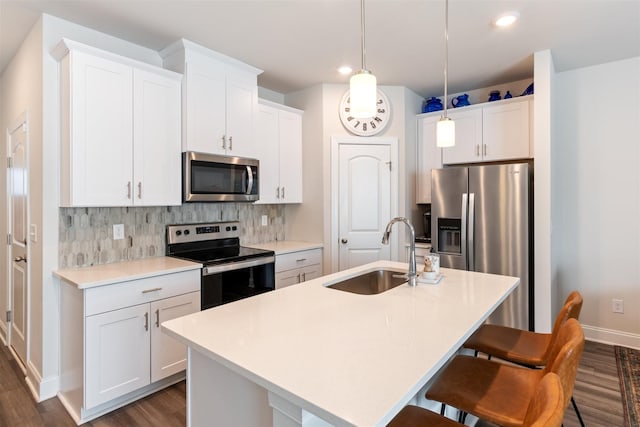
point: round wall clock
(366, 127)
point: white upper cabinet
(486, 132)
(220, 96)
(494, 131)
(506, 130)
(280, 153)
(120, 130)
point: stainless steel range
(230, 272)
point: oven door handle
(249, 179)
(215, 269)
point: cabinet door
(169, 356)
(290, 125)
(101, 132)
(468, 137)
(156, 146)
(267, 129)
(505, 131)
(242, 102)
(205, 107)
(288, 278)
(117, 353)
(429, 157)
(310, 272)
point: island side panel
(216, 396)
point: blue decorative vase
(494, 95)
(460, 101)
(508, 95)
(433, 104)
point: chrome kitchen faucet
(411, 275)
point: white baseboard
(609, 336)
(41, 388)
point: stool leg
(442, 408)
(575, 408)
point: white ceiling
(299, 43)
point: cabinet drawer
(298, 259)
(124, 294)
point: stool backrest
(570, 310)
(546, 409)
(565, 356)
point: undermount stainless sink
(371, 283)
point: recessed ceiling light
(345, 70)
(506, 19)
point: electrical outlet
(265, 220)
(617, 305)
(118, 231)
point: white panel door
(242, 102)
(169, 356)
(205, 113)
(117, 346)
(267, 128)
(102, 131)
(505, 131)
(18, 194)
(364, 203)
(157, 168)
(290, 125)
(468, 137)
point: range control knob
(178, 232)
(234, 228)
(228, 228)
(186, 232)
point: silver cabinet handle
(140, 190)
(298, 277)
(301, 260)
(129, 190)
(230, 143)
(157, 318)
(224, 142)
(477, 150)
(146, 291)
(484, 149)
(20, 258)
(282, 192)
(146, 321)
(277, 192)
(304, 277)
(344, 241)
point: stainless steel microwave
(215, 178)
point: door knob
(344, 241)
(20, 258)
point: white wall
(596, 141)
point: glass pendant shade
(445, 133)
(362, 91)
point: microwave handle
(249, 180)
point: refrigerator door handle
(463, 230)
(472, 220)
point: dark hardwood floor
(597, 393)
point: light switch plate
(33, 233)
(118, 231)
(265, 220)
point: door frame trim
(21, 121)
(336, 141)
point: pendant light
(446, 128)
(362, 85)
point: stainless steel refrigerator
(482, 220)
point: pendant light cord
(362, 29)
(446, 53)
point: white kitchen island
(314, 356)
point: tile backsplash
(86, 234)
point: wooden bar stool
(499, 392)
(526, 348)
(545, 409)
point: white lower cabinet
(297, 267)
(112, 347)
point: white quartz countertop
(107, 274)
(286, 246)
(349, 359)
